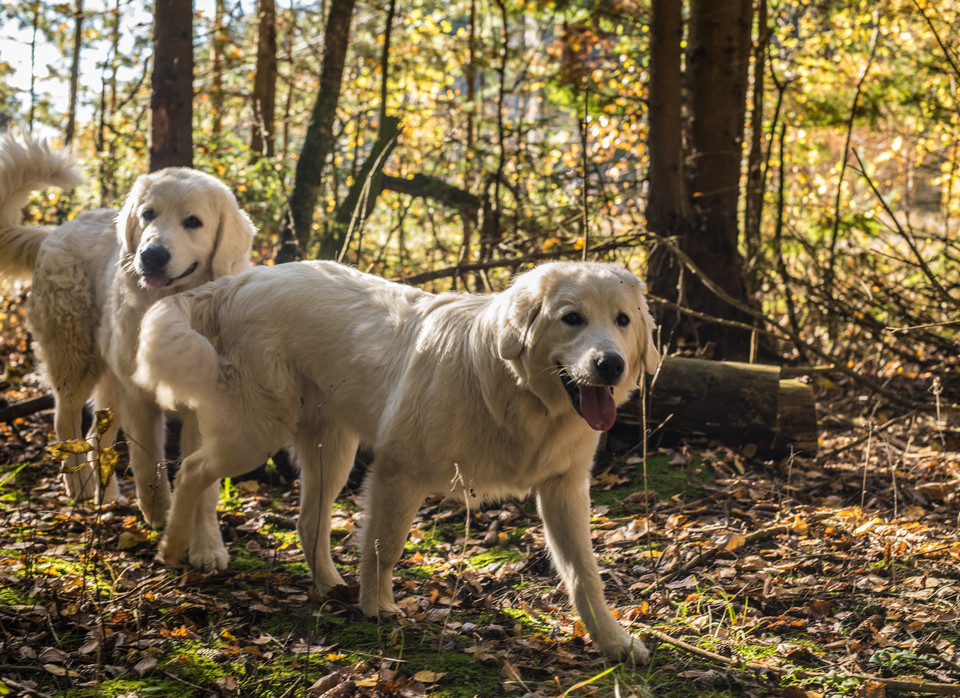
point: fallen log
(744, 406)
(24, 408)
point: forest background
(786, 176)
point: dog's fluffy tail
(25, 168)
(175, 360)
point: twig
(940, 689)
(24, 690)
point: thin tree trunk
(217, 46)
(265, 82)
(753, 205)
(295, 236)
(71, 128)
(362, 196)
(171, 99)
(668, 213)
(33, 67)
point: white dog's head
(578, 335)
(180, 228)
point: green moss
(501, 555)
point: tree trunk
(295, 236)
(74, 73)
(703, 216)
(668, 213)
(265, 82)
(753, 205)
(718, 60)
(171, 99)
(217, 44)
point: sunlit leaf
(104, 421)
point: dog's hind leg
(79, 478)
(106, 396)
(325, 456)
(144, 428)
(390, 503)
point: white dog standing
(93, 278)
(503, 393)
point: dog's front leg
(564, 504)
(390, 503)
(207, 551)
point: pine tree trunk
(217, 46)
(718, 62)
(171, 99)
(74, 72)
(265, 82)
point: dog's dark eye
(192, 222)
(573, 319)
(148, 214)
(623, 319)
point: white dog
(93, 278)
(500, 394)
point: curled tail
(176, 360)
(25, 168)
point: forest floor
(836, 575)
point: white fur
(446, 389)
(90, 291)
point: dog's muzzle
(595, 403)
(152, 263)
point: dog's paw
(210, 559)
(110, 493)
(81, 484)
(379, 609)
(324, 582)
(626, 648)
(170, 553)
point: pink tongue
(598, 407)
(156, 280)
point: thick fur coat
(486, 396)
(92, 279)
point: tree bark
(668, 212)
(718, 60)
(74, 73)
(295, 236)
(265, 82)
(217, 44)
(694, 198)
(753, 205)
(171, 98)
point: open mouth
(595, 403)
(162, 280)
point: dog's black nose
(609, 367)
(154, 258)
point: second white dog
(492, 395)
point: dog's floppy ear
(647, 341)
(128, 220)
(520, 307)
(234, 236)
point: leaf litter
(838, 575)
